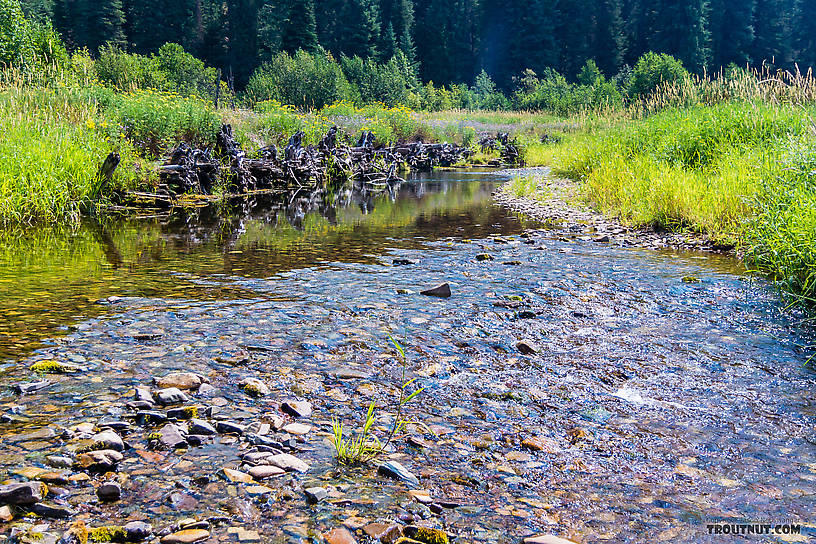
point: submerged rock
(547, 539)
(52, 510)
(107, 440)
(315, 494)
(187, 536)
(527, 347)
(180, 380)
(441, 291)
(426, 534)
(254, 387)
(339, 535)
(136, 531)
(99, 461)
(396, 470)
(25, 493)
(109, 492)
(171, 395)
(297, 408)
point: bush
(16, 47)
(303, 80)
(653, 70)
(373, 82)
(553, 93)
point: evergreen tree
(299, 29)
(535, 47)
(576, 33)
(804, 34)
(241, 36)
(732, 32)
(771, 39)
(91, 24)
(388, 43)
(680, 29)
(611, 41)
(360, 28)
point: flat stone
(52, 510)
(228, 427)
(24, 493)
(384, 532)
(441, 291)
(315, 494)
(404, 262)
(108, 440)
(137, 531)
(261, 472)
(393, 469)
(180, 380)
(59, 461)
(207, 390)
(484, 257)
(146, 417)
(297, 408)
(421, 495)
(170, 395)
(237, 476)
(109, 492)
(257, 490)
(30, 387)
(348, 373)
(54, 478)
(297, 428)
(187, 536)
(172, 436)
(540, 443)
(199, 426)
(339, 535)
(99, 461)
(288, 462)
(527, 347)
(6, 514)
(547, 539)
(243, 535)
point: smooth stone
(59, 461)
(207, 390)
(393, 469)
(527, 347)
(484, 257)
(315, 494)
(288, 462)
(384, 532)
(180, 380)
(236, 476)
(261, 472)
(199, 426)
(137, 531)
(297, 408)
(227, 427)
(540, 443)
(297, 428)
(99, 460)
(187, 536)
(254, 387)
(171, 395)
(52, 510)
(172, 436)
(108, 440)
(441, 291)
(23, 493)
(143, 394)
(257, 490)
(547, 539)
(339, 535)
(404, 262)
(109, 492)
(5, 514)
(30, 387)
(348, 373)
(149, 416)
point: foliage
(553, 93)
(16, 47)
(366, 446)
(388, 83)
(653, 70)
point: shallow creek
(650, 405)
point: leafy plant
(366, 446)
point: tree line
(450, 41)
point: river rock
(404, 262)
(237, 476)
(24, 493)
(5, 514)
(339, 535)
(136, 531)
(297, 428)
(109, 491)
(228, 427)
(170, 395)
(172, 436)
(30, 387)
(59, 461)
(539, 443)
(527, 347)
(426, 534)
(52, 510)
(254, 387)
(262, 472)
(484, 257)
(199, 426)
(393, 469)
(180, 380)
(187, 536)
(386, 533)
(441, 291)
(99, 460)
(108, 440)
(143, 394)
(315, 494)
(297, 408)
(288, 462)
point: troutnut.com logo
(754, 528)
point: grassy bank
(738, 171)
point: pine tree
(610, 40)
(576, 33)
(732, 32)
(771, 39)
(299, 29)
(388, 43)
(804, 34)
(241, 36)
(535, 47)
(680, 29)
(90, 23)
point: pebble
(297, 408)
(187, 536)
(108, 440)
(109, 492)
(237, 476)
(539, 443)
(137, 531)
(262, 472)
(396, 470)
(254, 387)
(404, 262)
(547, 539)
(315, 494)
(484, 257)
(172, 436)
(527, 347)
(384, 532)
(288, 462)
(441, 291)
(5, 514)
(426, 534)
(297, 428)
(228, 427)
(339, 535)
(199, 426)
(99, 461)
(52, 510)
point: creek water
(650, 407)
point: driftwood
(510, 154)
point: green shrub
(653, 70)
(373, 82)
(16, 43)
(553, 93)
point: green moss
(252, 389)
(52, 367)
(79, 531)
(154, 437)
(190, 412)
(427, 535)
(108, 533)
(690, 279)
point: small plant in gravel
(365, 446)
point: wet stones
(172, 436)
(426, 534)
(484, 257)
(201, 427)
(107, 440)
(180, 380)
(52, 510)
(228, 427)
(109, 492)
(297, 408)
(539, 443)
(393, 469)
(527, 347)
(254, 387)
(136, 531)
(288, 462)
(262, 472)
(440, 291)
(30, 387)
(5, 514)
(186, 536)
(315, 494)
(22, 494)
(384, 532)
(547, 539)
(98, 461)
(339, 535)
(236, 476)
